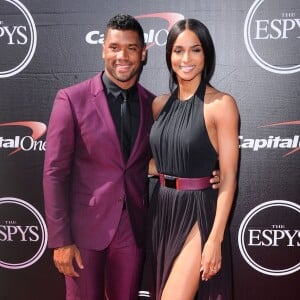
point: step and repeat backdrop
(47, 45)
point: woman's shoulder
(163, 98)
(220, 104)
(158, 103)
(217, 97)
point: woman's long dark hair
(204, 37)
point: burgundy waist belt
(180, 183)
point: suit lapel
(101, 105)
(142, 131)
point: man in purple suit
(95, 183)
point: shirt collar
(115, 90)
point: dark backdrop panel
(257, 46)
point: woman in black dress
(196, 127)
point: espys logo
(152, 36)
(274, 142)
(269, 238)
(272, 33)
(23, 234)
(25, 142)
(17, 38)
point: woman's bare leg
(183, 281)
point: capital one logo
(20, 142)
(23, 234)
(269, 238)
(156, 28)
(17, 37)
(289, 143)
(272, 35)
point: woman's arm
(152, 168)
(225, 119)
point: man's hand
(63, 259)
(215, 180)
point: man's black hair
(125, 22)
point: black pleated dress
(181, 148)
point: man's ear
(103, 54)
(144, 54)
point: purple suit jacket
(85, 177)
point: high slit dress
(181, 148)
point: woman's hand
(211, 259)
